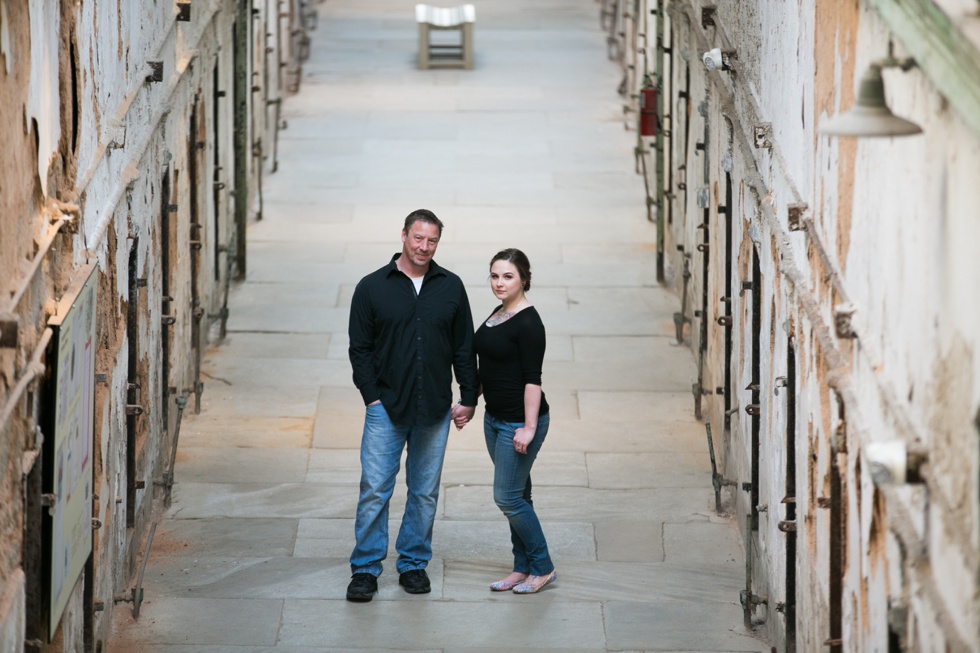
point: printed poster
(74, 430)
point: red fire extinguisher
(648, 108)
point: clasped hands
(461, 415)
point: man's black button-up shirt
(404, 347)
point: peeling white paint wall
(43, 100)
(890, 226)
(132, 132)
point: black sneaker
(415, 581)
(362, 587)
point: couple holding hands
(410, 330)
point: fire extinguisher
(648, 107)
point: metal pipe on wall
(35, 368)
(133, 380)
(756, 414)
(680, 319)
(139, 81)
(718, 480)
(704, 247)
(789, 610)
(43, 248)
(660, 143)
(166, 246)
(729, 320)
(131, 169)
(195, 234)
(838, 366)
(241, 147)
(747, 598)
(838, 533)
(167, 480)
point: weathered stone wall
(918, 363)
(17, 197)
(780, 228)
(124, 127)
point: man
(410, 328)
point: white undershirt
(417, 281)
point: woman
(510, 351)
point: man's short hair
(422, 215)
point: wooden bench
(437, 55)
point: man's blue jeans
(512, 492)
(382, 444)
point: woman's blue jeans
(382, 444)
(512, 492)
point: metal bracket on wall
(844, 321)
(795, 216)
(781, 382)
(762, 135)
(156, 71)
(749, 600)
(708, 16)
(9, 330)
(116, 130)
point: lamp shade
(870, 116)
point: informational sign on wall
(74, 431)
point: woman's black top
(510, 356)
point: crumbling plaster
(43, 101)
(875, 239)
(109, 153)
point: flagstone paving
(526, 150)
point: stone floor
(526, 150)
